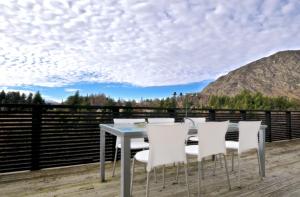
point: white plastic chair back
(128, 121)
(193, 121)
(248, 135)
(161, 120)
(211, 137)
(166, 144)
(192, 124)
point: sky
(113, 90)
(136, 48)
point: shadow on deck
(282, 178)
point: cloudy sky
(136, 48)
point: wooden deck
(282, 179)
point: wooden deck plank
(282, 170)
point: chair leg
(115, 161)
(163, 171)
(187, 163)
(232, 161)
(186, 179)
(202, 168)
(215, 164)
(259, 166)
(227, 174)
(155, 177)
(177, 172)
(239, 170)
(199, 177)
(221, 164)
(132, 176)
(147, 185)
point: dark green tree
(73, 100)
(29, 98)
(37, 99)
(23, 98)
(2, 97)
(174, 100)
(110, 102)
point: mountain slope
(276, 75)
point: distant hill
(276, 75)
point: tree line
(102, 99)
(18, 98)
(244, 100)
(248, 100)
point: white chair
(161, 151)
(161, 120)
(135, 144)
(192, 123)
(248, 140)
(193, 137)
(211, 137)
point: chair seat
(142, 156)
(136, 145)
(232, 145)
(193, 139)
(191, 150)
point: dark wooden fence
(41, 136)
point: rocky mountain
(276, 75)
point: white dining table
(126, 132)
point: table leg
(102, 155)
(125, 167)
(262, 143)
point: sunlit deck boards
(282, 170)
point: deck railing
(33, 137)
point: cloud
(71, 90)
(55, 43)
(6, 89)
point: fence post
(36, 136)
(212, 115)
(172, 113)
(268, 122)
(243, 115)
(289, 123)
(175, 114)
(115, 112)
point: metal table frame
(139, 133)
